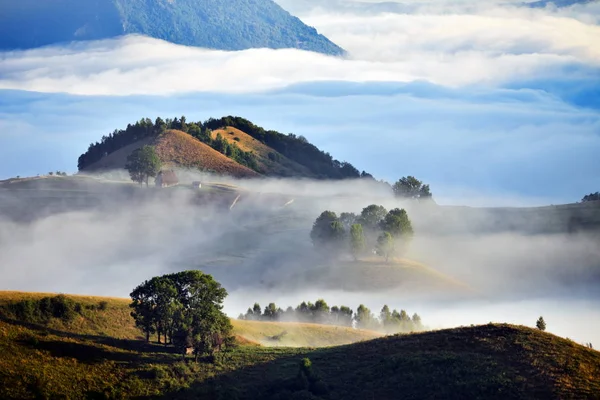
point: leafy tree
(338, 233)
(328, 232)
(185, 307)
(321, 230)
(411, 188)
(256, 310)
(348, 219)
(345, 316)
(591, 197)
(385, 245)
(142, 164)
(320, 312)
(357, 240)
(396, 222)
(541, 324)
(385, 316)
(270, 312)
(416, 320)
(371, 216)
(364, 318)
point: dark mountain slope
(225, 25)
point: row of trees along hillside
(183, 309)
(375, 230)
(591, 197)
(297, 148)
(320, 313)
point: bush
(103, 305)
(42, 310)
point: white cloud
(462, 47)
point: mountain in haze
(230, 146)
(216, 24)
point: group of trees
(295, 147)
(374, 230)
(183, 309)
(591, 197)
(320, 313)
(409, 187)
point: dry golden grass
(116, 322)
(180, 149)
(177, 148)
(281, 167)
(295, 334)
(494, 361)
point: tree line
(389, 321)
(375, 230)
(591, 197)
(183, 309)
(297, 148)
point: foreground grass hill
(96, 356)
(225, 25)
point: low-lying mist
(467, 266)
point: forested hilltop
(266, 152)
(224, 25)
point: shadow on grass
(134, 350)
(475, 363)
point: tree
(345, 316)
(411, 188)
(364, 318)
(541, 324)
(328, 232)
(142, 164)
(371, 216)
(385, 316)
(385, 245)
(321, 230)
(320, 312)
(186, 307)
(270, 312)
(396, 222)
(591, 197)
(357, 240)
(348, 219)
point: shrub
(42, 310)
(103, 305)
(541, 324)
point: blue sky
(491, 104)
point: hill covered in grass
(97, 355)
(230, 25)
(269, 153)
(177, 149)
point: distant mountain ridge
(216, 24)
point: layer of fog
(487, 44)
(260, 251)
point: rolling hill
(177, 149)
(270, 161)
(230, 25)
(97, 356)
(189, 144)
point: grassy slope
(374, 273)
(282, 167)
(299, 334)
(491, 361)
(178, 149)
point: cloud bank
(486, 45)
